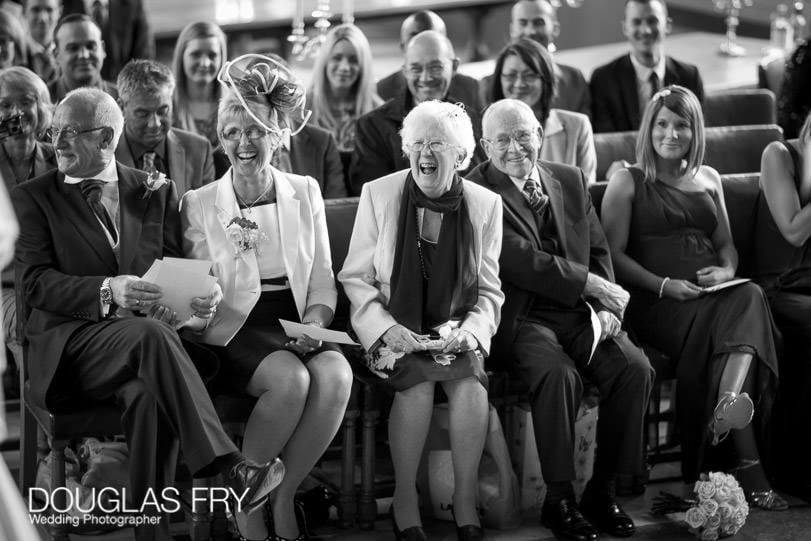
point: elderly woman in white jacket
(265, 232)
(422, 276)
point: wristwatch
(106, 292)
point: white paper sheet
(181, 280)
(724, 285)
(294, 330)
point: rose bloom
(705, 490)
(713, 521)
(725, 510)
(235, 234)
(710, 534)
(708, 506)
(695, 517)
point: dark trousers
(141, 363)
(551, 359)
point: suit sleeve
(195, 242)
(372, 158)
(586, 153)
(482, 321)
(208, 166)
(44, 286)
(321, 289)
(334, 182)
(369, 314)
(585, 97)
(601, 120)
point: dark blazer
(528, 274)
(571, 90)
(464, 87)
(313, 153)
(378, 147)
(190, 157)
(126, 36)
(614, 96)
(63, 256)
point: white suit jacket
(568, 139)
(366, 274)
(206, 212)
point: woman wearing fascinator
(667, 225)
(265, 232)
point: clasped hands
(684, 290)
(137, 295)
(399, 339)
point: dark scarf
(452, 285)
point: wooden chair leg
(58, 497)
(367, 506)
(28, 451)
(347, 501)
(198, 516)
(219, 522)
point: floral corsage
(244, 234)
(154, 182)
(720, 509)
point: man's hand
(162, 313)
(460, 340)
(610, 326)
(132, 293)
(610, 295)
(206, 307)
(399, 339)
(710, 276)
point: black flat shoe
(414, 533)
(566, 522)
(469, 532)
(606, 514)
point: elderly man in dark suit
(463, 87)
(620, 90)
(562, 321)
(429, 64)
(88, 233)
(149, 143)
(124, 29)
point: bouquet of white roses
(719, 511)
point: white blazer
(205, 213)
(366, 274)
(568, 139)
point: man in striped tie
(562, 320)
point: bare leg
(732, 411)
(330, 386)
(409, 421)
(734, 374)
(280, 383)
(468, 420)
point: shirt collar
(108, 174)
(643, 72)
(534, 175)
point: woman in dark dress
(781, 243)
(667, 225)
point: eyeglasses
(435, 146)
(523, 138)
(68, 132)
(253, 133)
(435, 69)
(529, 77)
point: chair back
(770, 72)
(740, 107)
(340, 215)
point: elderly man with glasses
(561, 321)
(97, 330)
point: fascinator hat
(255, 78)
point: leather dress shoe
(566, 522)
(606, 514)
(469, 532)
(253, 482)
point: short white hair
(452, 117)
(106, 110)
(504, 107)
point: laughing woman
(266, 233)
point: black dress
(670, 235)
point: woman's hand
(399, 339)
(460, 340)
(303, 345)
(710, 276)
(681, 290)
(162, 313)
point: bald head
(534, 19)
(420, 21)
(429, 64)
(512, 137)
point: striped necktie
(538, 201)
(91, 190)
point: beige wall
(759, 12)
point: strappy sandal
(763, 499)
(733, 411)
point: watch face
(106, 295)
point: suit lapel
(132, 208)
(177, 162)
(551, 186)
(671, 75)
(123, 155)
(78, 214)
(514, 201)
(630, 94)
(288, 206)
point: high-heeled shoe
(232, 504)
(733, 411)
(414, 533)
(469, 532)
(763, 499)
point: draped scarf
(451, 289)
